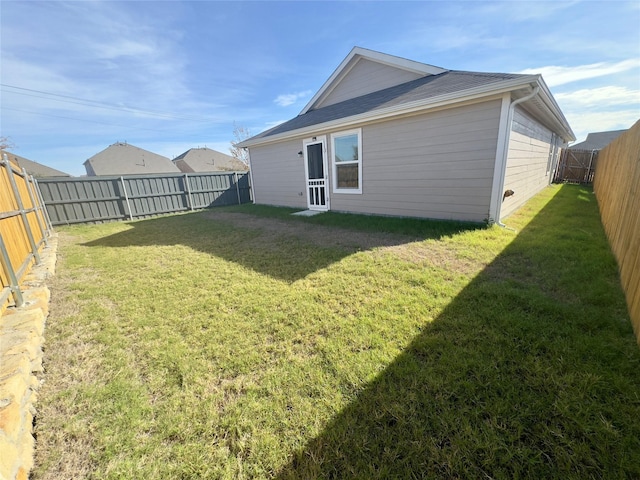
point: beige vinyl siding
(278, 174)
(434, 165)
(366, 77)
(526, 173)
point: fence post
(188, 187)
(126, 197)
(237, 188)
(28, 178)
(47, 219)
(13, 280)
(23, 214)
(588, 175)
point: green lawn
(244, 343)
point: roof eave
(411, 107)
(555, 110)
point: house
(207, 160)
(124, 159)
(597, 140)
(390, 136)
(36, 169)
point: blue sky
(168, 76)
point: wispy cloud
(583, 123)
(287, 99)
(602, 97)
(560, 75)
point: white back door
(315, 167)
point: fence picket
(617, 188)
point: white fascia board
(404, 108)
(403, 63)
(347, 64)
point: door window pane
(314, 161)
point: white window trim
(334, 168)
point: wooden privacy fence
(617, 188)
(576, 166)
(100, 199)
(24, 228)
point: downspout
(505, 150)
(252, 190)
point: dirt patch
(406, 248)
(314, 234)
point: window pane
(347, 175)
(346, 148)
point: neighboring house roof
(124, 159)
(597, 140)
(207, 160)
(435, 87)
(36, 169)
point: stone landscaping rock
(21, 339)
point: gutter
(505, 154)
(253, 188)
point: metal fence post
(188, 187)
(13, 280)
(23, 213)
(237, 188)
(126, 197)
(45, 213)
(28, 178)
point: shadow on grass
(531, 372)
(269, 241)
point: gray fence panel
(210, 191)
(81, 200)
(155, 195)
(99, 199)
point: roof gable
(364, 71)
(435, 88)
(125, 159)
(207, 160)
(36, 169)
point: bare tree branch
(240, 133)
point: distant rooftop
(36, 169)
(122, 158)
(597, 140)
(207, 160)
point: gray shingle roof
(597, 140)
(420, 89)
(36, 169)
(125, 159)
(207, 160)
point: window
(347, 161)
